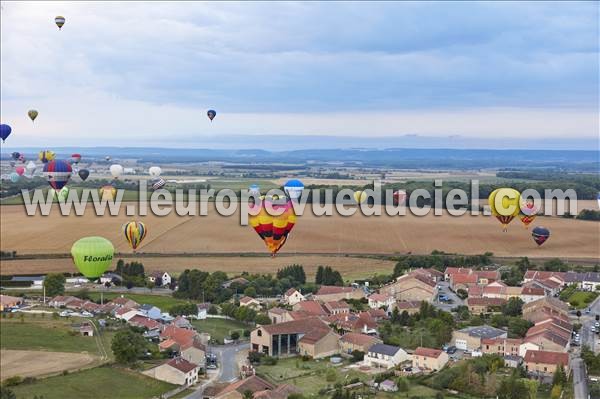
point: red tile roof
(142, 321)
(182, 365)
(247, 299)
(290, 292)
(457, 270)
(379, 297)
(428, 352)
(182, 336)
(533, 291)
(311, 307)
(359, 339)
(542, 275)
(333, 305)
(403, 305)
(464, 279)
(485, 301)
(252, 384)
(488, 274)
(546, 357)
(295, 326)
(332, 289)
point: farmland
(26, 363)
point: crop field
(27, 363)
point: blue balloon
(14, 177)
(211, 114)
(4, 131)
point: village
(377, 335)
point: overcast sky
(145, 73)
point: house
(8, 302)
(334, 293)
(411, 307)
(485, 305)
(203, 311)
(86, 329)
(194, 352)
(411, 287)
(351, 342)
(385, 356)
(530, 275)
(545, 305)
(150, 311)
(125, 302)
(336, 307)
(512, 361)
(36, 281)
(249, 302)
(485, 277)
(388, 386)
(260, 389)
(544, 363)
(378, 314)
(144, 322)
(587, 281)
(182, 322)
(362, 322)
(160, 278)
(125, 313)
(377, 301)
(278, 315)
(548, 340)
(61, 301)
(550, 286)
(429, 359)
(530, 294)
(470, 338)
(176, 371)
(75, 304)
(292, 297)
(310, 336)
(312, 308)
(181, 336)
(450, 271)
(463, 281)
(239, 281)
(432, 274)
(501, 346)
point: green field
(164, 302)
(37, 333)
(581, 299)
(220, 328)
(96, 383)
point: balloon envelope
(116, 170)
(15, 155)
(92, 256)
(32, 114)
(83, 173)
(504, 204)
(211, 113)
(134, 232)
(46, 156)
(399, 197)
(540, 235)
(293, 188)
(272, 229)
(20, 170)
(57, 173)
(31, 168)
(75, 158)
(5, 131)
(14, 177)
(155, 171)
(60, 195)
(360, 196)
(107, 192)
(59, 21)
(158, 184)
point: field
(96, 383)
(163, 302)
(25, 363)
(220, 328)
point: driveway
(444, 289)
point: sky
(501, 74)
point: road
(445, 290)
(580, 384)
(587, 320)
(228, 368)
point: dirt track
(38, 363)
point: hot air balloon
(508, 208)
(14, 177)
(92, 256)
(5, 131)
(59, 21)
(30, 168)
(399, 197)
(134, 233)
(272, 229)
(155, 171)
(75, 158)
(254, 189)
(540, 235)
(21, 158)
(32, 114)
(15, 155)
(293, 188)
(107, 158)
(62, 194)
(211, 114)
(158, 184)
(107, 192)
(58, 173)
(20, 170)
(46, 156)
(83, 173)
(528, 212)
(360, 196)
(116, 170)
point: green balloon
(92, 256)
(62, 194)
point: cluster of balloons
(507, 204)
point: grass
(220, 328)
(37, 333)
(163, 302)
(581, 299)
(96, 383)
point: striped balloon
(272, 229)
(134, 233)
(59, 21)
(158, 184)
(57, 173)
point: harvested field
(38, 363)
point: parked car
(451, 350)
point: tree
(555, 392)
(514, 307)
(250, 291)
(248, 394)
(262, 319)
(559, 378)
(183, 309)
(54, 283)
(462, 294)
(402, 384)
(357, 356)
(235, 335)
(6, 393)
(128, 346)
(517, 328)
(294, 272)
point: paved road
(587, 320)
(580, 384)
(445, 289)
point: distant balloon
(116, 170)
(360, 196)
(92, 256)
(75, 158)
(528, 212)
(135, 232)
(20, 170)
(155, 171)
(46, 156)
(32, 114)
(14, 177)
(30, 168)
(158, 184)
(254, 189)
(107, 158)
(107, 192)
(540, 235)
(59, 21)
(83, 174)
(21, 158)
(506, 210)
(5, 131)
(211, 114)
(15, 155)
(399, 197)
(62, 194)
(57, 173)
(293, 188)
